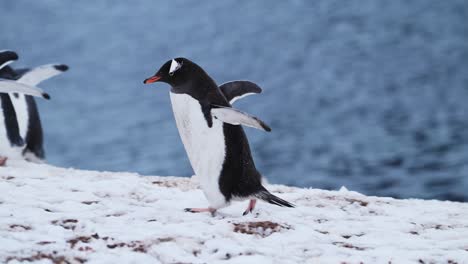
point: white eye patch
(5, 64)
(174, 67)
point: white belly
(6, 149)
(205, 146)
(22, 115)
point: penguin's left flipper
(238, 89)
(236, 117)
(39, 74)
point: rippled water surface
(367, 94)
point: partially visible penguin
(9, 86)
(12, 143)
(9, 138)
(210, 130)
(26, 109)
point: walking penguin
(212, 134)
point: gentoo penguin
(26, 109)
(11, 142)
(10, 86)
(210, 130)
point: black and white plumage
(26, 109)
(236, 90)
(7, 86)
(22, 125)
(9, 131)
(7, 57)
(11, 142)
(210, 130)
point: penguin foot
(251, 207)
(201, 210)
(3, 161)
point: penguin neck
(198, 88)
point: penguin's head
(174, 72)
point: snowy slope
(367, 94)
(51, 214)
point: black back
(239, 177)
(34, 136)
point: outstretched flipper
(236, 117)
(7, 57)
(8, 86)
(37, 75)
(236, 90)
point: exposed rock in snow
(58, 215)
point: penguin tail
(266, 196)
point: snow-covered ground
(51, 214)
(370, 94)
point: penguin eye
(174, 67)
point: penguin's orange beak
(152, 79)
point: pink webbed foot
(201, 210)
(3, 161)
(251, 206)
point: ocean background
(368, 94)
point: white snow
(50, 214)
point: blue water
(367, 94)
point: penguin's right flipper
(236, 117)
(8, 86)
(7, 57)
(36, 75)
(238, 89)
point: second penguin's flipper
(7, 57)
(8, 86)
(238, 89)
(36, 75)
(236, 117)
